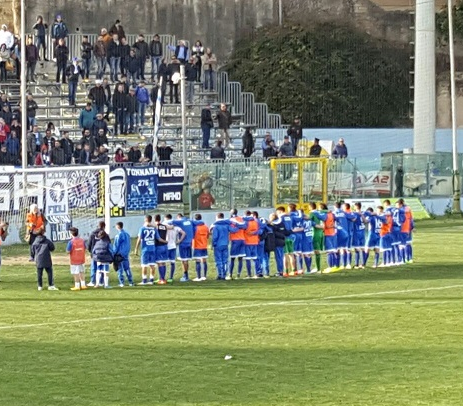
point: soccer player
(76, 251)
(374, 229)
(147, 239)
(298, 230)
(280, 232)
(251, 241)
(237, 246)
(307, 249)
(103, 255)
(318, 237)
(406, 232)
(174, 235)
(350, 231)
(289, 241)
(161, 249)
(385, 245)
(394, 236)
(200, 248)
(121, 249)
(262, 233)
(358, 236)
(184, 247)
(220, 231)
(342, 226)
(3, 235)
(329, 230)
(41, 252)
(398, 219)
(90, 244)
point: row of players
(292, 236)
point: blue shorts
(148, 258)
(373, 241)
(171, 254)
(161, 253)
(409, 237)
(331, 243)
(200, 254)
(100, 267)
(358, 240)
(251, 251)
(307, 246)
(298, 243)
(385, 243)
(237, 249)
(184, 253)
(396, 237)
(342, 239)
(403, 238)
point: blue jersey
(398, 218)
(287, 222)
(122, 244)
(342, 221)
(297, 221)
(221, 233)
(308, 226)
(189, 229)
(359, 225)
(148, 236)
(375, 224)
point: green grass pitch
(375, 337)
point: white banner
(56, 201)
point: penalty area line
(315, 301)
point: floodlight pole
(186, 192)
(456, 208)
(23, 87)
(280, 12)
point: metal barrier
(235, 97)
(274, 121)
(222, 86)
(247, 102)
(261, 116)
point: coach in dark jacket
(340, 149)
(41, 251)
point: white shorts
(77, 269)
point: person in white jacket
(6, 37)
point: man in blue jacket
(121, 254)
(221, 230)
(184, 247)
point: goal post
(68, 197)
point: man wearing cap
(340, 149)
(315, 149)
(295, 133)
(73, 72)
(59, 30)
(6, 37)
(97, 96)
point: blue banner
(170, 184)
(142, 188)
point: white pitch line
(214, 309)
(406, 302)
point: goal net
(67, 196)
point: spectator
(31, 148)
(40, 31)
(13, 146)
(97, 96)
(123, 81)
(164, 153)
(102, 158)
(101, 138)
(15, 126)
(197, 51)
(57, 155)
(132, 110)
(106, 37)
(54, 131)
(286, 149)
(6, 114)
(59, 31)
(6, 38)
(125, 53)
(31, 111)
(266, 141)
(218, 152)
(76, 154)
(119, 156)
(43, 157)
(399, 181)
(87, 116)
(191, 73)
(68, 146)
(295, 133)
(143, 98)
(73, 72)
(49, 140)
(4, 100)
(38, 138)
(62, 56)
(134, 155)
(148, 153)
(143, 52)
(224, 119)
(163, 73)
(206, 124)
(85, 155)
(4, 131)
(181, 51)
(340, 149)
(114, 55)
(32, 56)
(16, 54)
(210, 69)
(120, 110)
(5, 156)
(99, 50)
(108, 97)
(248, 143)
(86, 55)
(98, 124)
(173, 71)
(4, 58)
(132, 67)
(89, 139)
(118, 29)
(271, 151)
(315, 149)
(156, 56)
